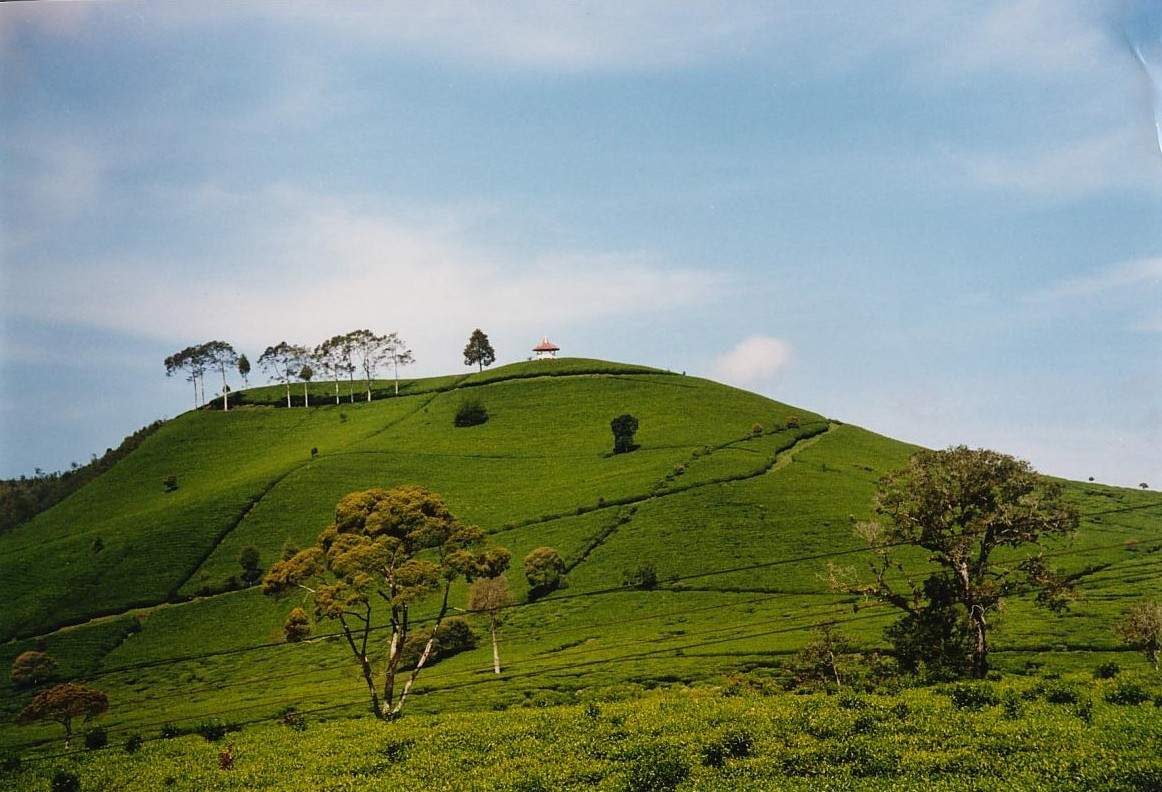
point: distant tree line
(23, 498)
(361, 352)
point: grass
(700, 495)
(675, 738)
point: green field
(735, 523)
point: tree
(297, 626)
(1144, 486)
(396, 351)
(479, 351)
(64, 703)
(220, 355)
(391, 548)
(192, 360)
(334, 357)
(244, 369)
(624, 427)
(543, 569)
(282, 363)
(962, 506)
(305, 374)
(248, 559)
(491, 596)
(819, 658)
(1141, 628)
(32, 668)
(369, 351)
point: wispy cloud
(1138, 273)
(312, 265)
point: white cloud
(754, 360)
(1138, 273)
(307, 266)
(1074, 168)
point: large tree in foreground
(981, 517)
(386, 549)
(479, 351)
(64, 704)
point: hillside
(123, 579)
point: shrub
(1107, 670)
(973, 695)
(1127, 693)
(1013, 705)
(293, 719)
(170, 483)
(95, 738)
(32, 668)
(455, 636)
(791, 422)
(396, 750)
(656, 770)
(248, 559)
(1061, 693)
(133, 743)
(643, 577)
(212, 730)
(472, 412)
(65, 781)
(297, 626)
(169, 731)
(624, 428)
(592, 711)
(543, 569)
(756, 430)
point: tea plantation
(735, 501)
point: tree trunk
(195, 381)
(336, 387)
(393, 656)
(368, 677)
(480, 364)
(426, 653)
(225, 392)
(306, 395)
(397, 379)
(495, 646)
(68, 724)
(980, 648)
(351, 386)
(369, 389)
(834, 668)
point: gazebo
(546, 349)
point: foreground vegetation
(1025, 733)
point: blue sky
(942, 221)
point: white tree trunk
(225, 392)
(495, 648)
(396, 377)
(336, 387)
(288, 401)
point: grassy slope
(522, 476)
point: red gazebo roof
(546, 346)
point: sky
(941, 220)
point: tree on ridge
(282, 362)
(396, 351)
(479, 351)
(221, 355)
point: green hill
(124, 578)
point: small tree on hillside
(220, 355)
(395, 351)
(306, 373)
(64, 704)
(491, 596)
(244, 369)
(32, 668)
(369, 350)
(624, 427)
(248, 559)
(544, 568)
(1141, 628)
(334, 358)
(819, 660)
(392, 548)
(282, 363)
(962, 506)
(479, 351)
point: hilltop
(732, 498)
